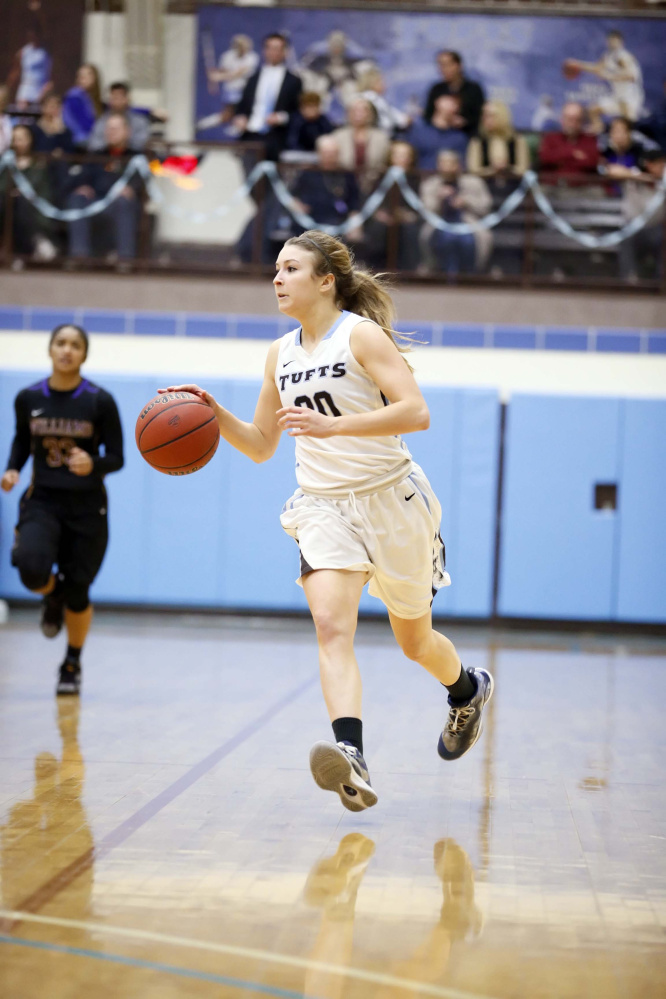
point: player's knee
(331, 629)
(76, 597)
(34, 572)
(416, 647)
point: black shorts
(63, 527)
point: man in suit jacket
(455, 83)
(269, 99)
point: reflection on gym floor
(163, 835)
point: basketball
(177, 433)
(570, 69)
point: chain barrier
(394, 175)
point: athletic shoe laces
(458, 718)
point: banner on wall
(533, 64)
(40, 48)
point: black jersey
(50, 423)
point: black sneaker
(464, 725)
(53, 609)
(341, 768)
(69, 680)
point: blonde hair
(504, 120)
(356, 290)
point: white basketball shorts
(392, 536)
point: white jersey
(629, 95)
(35, 73)
(331, 380)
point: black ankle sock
(73, 654)
(349, 730)
(463, 688)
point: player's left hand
(300, 421)
(80, 462)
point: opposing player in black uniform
(62, 421)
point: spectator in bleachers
(456, 197)
(395, 211)
(569, 153)
(51, 135)
(429, 138)
(6, 124)
(621, 154)
(455, 83)
(649, 241)
(329, 193)
(82, 104)
(269, 99)
(119, 103)
(94, 182)
(372, 88)
(362, 145)
(498, 153)
(31, 231)
(308, 124)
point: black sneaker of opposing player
(464, 725)
(341, 768)
(52, 613)
(69, 678)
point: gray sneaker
(464, 724)
(341, 768)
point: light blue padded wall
(557, 551)
(641, 556)
(214, 539)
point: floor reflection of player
(46, 832)
(333, 885)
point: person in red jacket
(568, 155)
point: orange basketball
(177, 433)
(570, 69)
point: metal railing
(233, 213)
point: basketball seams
(192, 430)
(164, 408)
(177, 469)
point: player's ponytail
(357, 290)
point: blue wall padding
(214, 539)
(557, 551)
(641, 577)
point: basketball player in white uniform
(363, 510)
(622, 72)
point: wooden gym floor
(163, 838)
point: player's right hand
(194, 389)
(9, 480)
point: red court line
(46, 892)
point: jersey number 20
(321, 400)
